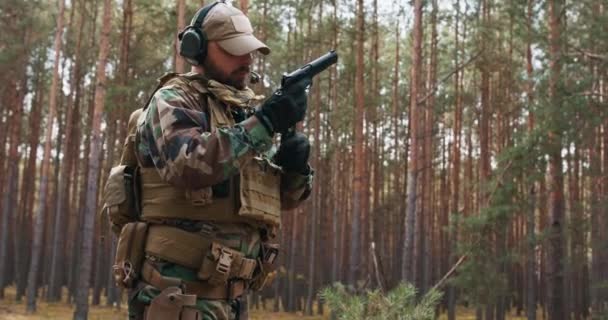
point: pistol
(310, 69)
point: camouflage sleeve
(179, 141)
(295, 188)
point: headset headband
(199, 17)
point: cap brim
(243, 44)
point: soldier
(209, 184)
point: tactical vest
(253, 197)
(134, 194)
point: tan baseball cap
(232, 30)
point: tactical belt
(191, 249)
(232, 290)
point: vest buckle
(224, 262)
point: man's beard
(232, 79)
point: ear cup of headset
(193, 45)
(193, 41)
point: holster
(266, 267)
(130, 254)
(172, 304)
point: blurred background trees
(448, 129)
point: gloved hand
(293, 153)
(285, 107)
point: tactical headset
(193, 41)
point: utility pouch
(266, 263)
(216, 265)
(130, 254)
(120, 197)
(171, 304)
(259, 191)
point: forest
(460, 146)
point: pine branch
(448, 76)
(378, 268)
(441, 282)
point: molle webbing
(161, 200)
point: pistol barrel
(311, 69)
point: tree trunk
(291, 284)
(23, 229)
(88, 224)
(14, 98)
(123, 69)
(455, 179)
(531, 212)
(317, 194)
(43, 185)
(62, 205)
(412, 177)
(244, 6)
(428, 213)
(14, 94)
(359, 142)
(81, 185)
(102, 259)
(556, 188)
(396, 186)
(334, 160)
(598, 304)
(180, 63)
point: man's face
(226, 68)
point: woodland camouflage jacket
(174, 135)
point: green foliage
(401, 303)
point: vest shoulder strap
(193, 80)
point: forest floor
(11, 310)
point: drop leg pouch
(171, 304)
(130, 254)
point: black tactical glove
(285, 107)
(293, 153)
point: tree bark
(531, 212)
(88, 224)
(556, 187)
(429, 166)
(451, 293)
(180, 63)
(56, 277)
(316, 199)
(24, 226)
(359, 142)
(412, 177)
(14, 97)
(397, 233)
(244, 6)
(599, 220)
(43, 185)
